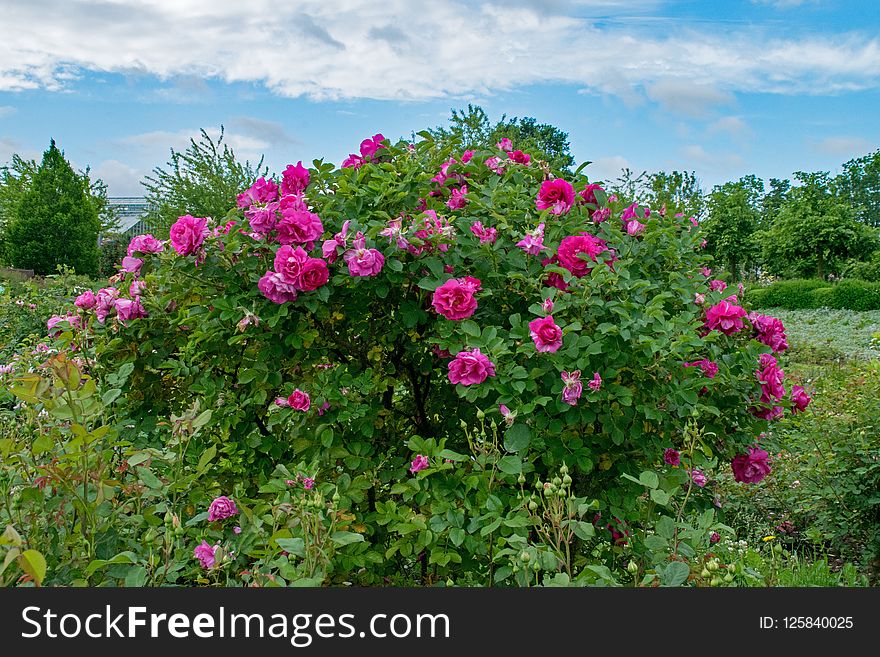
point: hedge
(811, 293)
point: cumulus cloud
(267, 132)
(731, 125)
(369, 49)
(121, 179)
(607, 169)
(683, 96)
(844, 146)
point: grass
(827, 335)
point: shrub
(855, 295)
(791, 295)
(322, 333)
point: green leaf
(203, 418)
(675, 574)
(649, 479)
(660, 496)
(346, 538)
(206, 458)
(517, 438)
(136, 577)
(295, 546)
(146, 476)
(510, 464)
(34, 564)
(470, 328)
(123, 557)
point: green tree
(773, 201)
(54, 220)
(734, 212)
(816, 231)
(677, 191)
(202, 181)
(472, 129)
(859, 184)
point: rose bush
(357, 318)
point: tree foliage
(734, 212)
(202, 181)
(472, 129)
(53, 216)
(815, 232)
(859, 184)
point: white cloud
(154, 143)
(844, 146)
(695, 157)
(121, 179)
(607, 169)
(684, 96)
(731, 125)
(351, 49)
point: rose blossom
(799, 398)
(725, 317)
(470, 368)
(494, 164)
(634, 227)
(455, 298)
(533, 242)
(299, 400)
(205, 554)
(362, 261)
(370, 146)
(671, 456)
(353, 162)
(508, 415)
(458, 198)
(752, 467)
(276, 288)
(595, 383)
(132, 265)
(505, 144)
(546, 335)
(555, 195)
(86, 300)
(547, 306)
(588, 193)
(698, 478)
(299, 227)
(710, 368)
(261, 192)
(295, 179)
(717, 285)
(105, 302)
(573, 247)
(129, 309)
(714, 538)
(486, 235)
(419, 463)
(222, 508)
(572, 387)
(144, 244)
(519, 157)
(466, 157)
(308, 483)
(769, 331)
(188, 233)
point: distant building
(132, 213)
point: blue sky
(723, 88)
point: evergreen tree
(54, 220)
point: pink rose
(546, 335)
(505, 144)
(205, 554)
(105, 302)
(634, 227)
(295, 179)
(261, 192)
(299, 400)
(276, 288)
(353, 162)
(799, 398)
(698, 478)
(458, 198)
(263, 219)
(769, 331)
(129, 309)
(222, 508)
(370, 146)
(572, 388)
(595, 383)
(519, 157)
(710, 368)
(86, 300)
(362, 261)
(486, 235)
(494, 164)
(717, 285)
(470, 368)
(752, 467)
(671, 456)
(555, 195)
(455, 299)
(299, 227)
(466, 157)
(313, 275)
(419, 463)
(144, 244)
(132, 265)
(188, 233)
(573, 247)
(533, 242)
(588, 193)
(725, 317)
(308, 483)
